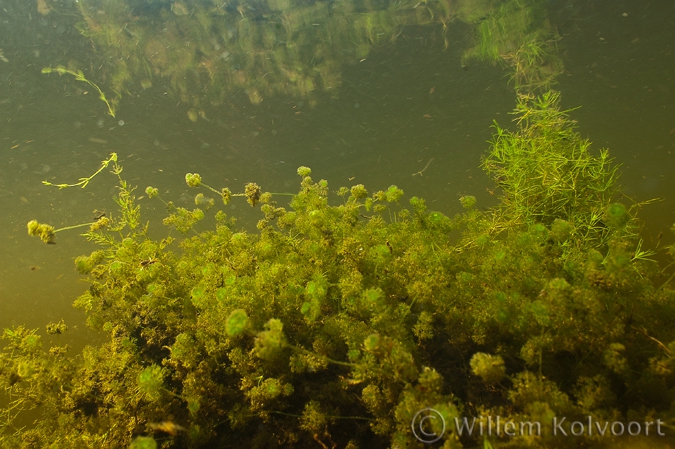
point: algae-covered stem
(252, 191)
(84, 181)
(46, 232)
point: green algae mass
(332, 326)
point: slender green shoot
(84, 181)
(80, 77)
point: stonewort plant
(344, 315)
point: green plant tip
(236, 322)
(57, 328)
(151, 192)
(226, 195)
(150, 383)
(393, 194)
(561, 230)
(193, 179)
(468, 201)
(45, 232)
(616, 216)
(84, 264)
(489, 367)
(371, 342)
(359, 191)
(304, 171)
(252, 192)
(143, 443)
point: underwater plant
(343, 316)
(79, 76)
(517, 35)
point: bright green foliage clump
(151, 191)
(490, 368)
(150, 382)
(332, 326)
(468, 201)
(143, 443)
(193, 179)
(236, 322)
(616, 216)
(44, 231)
(548, 174)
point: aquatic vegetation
(517, 35)
(547, 172)
(44, 231)
(85, 181)
(79, 76)
(47, 233)
(344, 315)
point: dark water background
(407, 103)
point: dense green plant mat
(333, 325)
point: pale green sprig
(85, 181)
